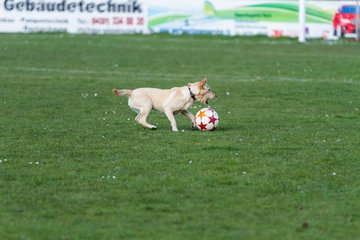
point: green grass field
(283, 164)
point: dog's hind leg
(143, 109)
(137, 117)
(141, 118)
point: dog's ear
(202, 83)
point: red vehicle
(344, 21)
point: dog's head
(202, 91)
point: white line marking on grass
(171, 76)
(78, 71)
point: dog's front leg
(190, 116)
(170, 116)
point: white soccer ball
(206, 119)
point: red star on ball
(202, 126)
(212, 120)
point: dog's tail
(122, 92)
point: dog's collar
(192, 95)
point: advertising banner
(275, 18)
(187, 16)
(244, 17)
(324, 19)
(74, 16)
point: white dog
(170, 101)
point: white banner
(74, 16)
(324, 19)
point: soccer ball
(206, 119)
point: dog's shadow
(220, 128)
